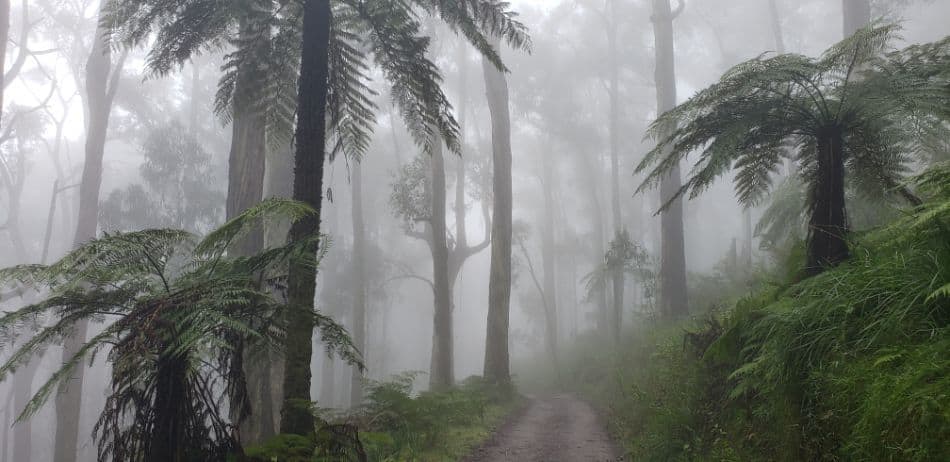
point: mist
(479, 195)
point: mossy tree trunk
(309, 157)
(828, 227)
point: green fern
(174, 307)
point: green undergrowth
(852, 364)
(396, 425)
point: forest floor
(551, 429)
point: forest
(474, 230)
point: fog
(576, 96)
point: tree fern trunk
(167, 442)
(497, 366)
(828, 226)
(309, 159)
(673, 298)
(442, 373)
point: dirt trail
(559, 428)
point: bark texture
(246, 166)
(497, 366)
(308, 188)
(828, 225)
(673, 300)
(442, 367)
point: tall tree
(442, 368)
(309, 158)
(5, 37)
(673, 300)
(549, 255)
(358, 279)
(617, 279)
(497, 366)
(246, 170)
(101, 85)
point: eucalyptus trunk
(278, 167)
(442, 367)
(828, 227)
(548, 258)
(673, 300)
(359, 281)
(100, 88)
(22, 393)
(616, 275)
(309, 158)
(497, 365)
(5, 36)
(599, 232)
(246, 167)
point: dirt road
(559, 428)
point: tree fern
(173, 306)
(386, 32)
(860, 108)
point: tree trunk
(100, 90)
(828, 226)
(747, 238)
(855, 15)
(442, 367)
(597, 221)
(23, 392)
(246, 167)
(328, 382)
(616, 314)
(167, 438)
(7, 423)
(309, 157)
(614, 123)
(673, 298)
(617, 273)
(548, 256)
(278, 168)
(359, 281)
(5, 36)
(497, 367)
(776, 22)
